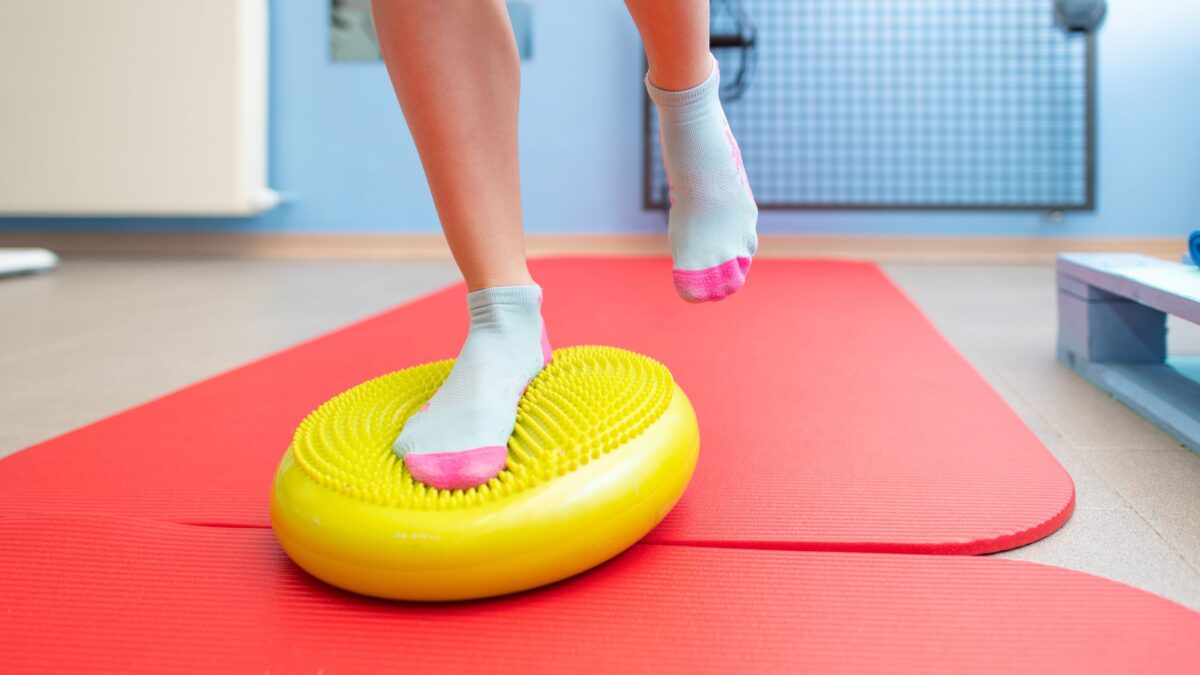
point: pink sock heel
(714, 283)
(457, 470)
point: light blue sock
(713, 216)
(459, 440)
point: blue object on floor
(1112, 330)
(1194, 247)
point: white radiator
(133, 107)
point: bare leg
(675, 35)
(457, 75)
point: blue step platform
(1112, 330)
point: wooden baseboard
(431, 246)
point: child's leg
(456, 72)
(713, 215)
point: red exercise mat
(104, 595)
(833, 416)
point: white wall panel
(134, 107)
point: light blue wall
(339, 146)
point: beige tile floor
(98, 336)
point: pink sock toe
(457, 470)
(714, 283)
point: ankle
(484, 281)
(675, 77)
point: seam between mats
(997, 544)
(975, 547)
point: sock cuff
(505, 295)
(666, 97)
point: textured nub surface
(586, 403)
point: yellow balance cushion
(605, 444)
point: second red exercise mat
(85, 594)
(833, 416)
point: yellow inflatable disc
(605, 444)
